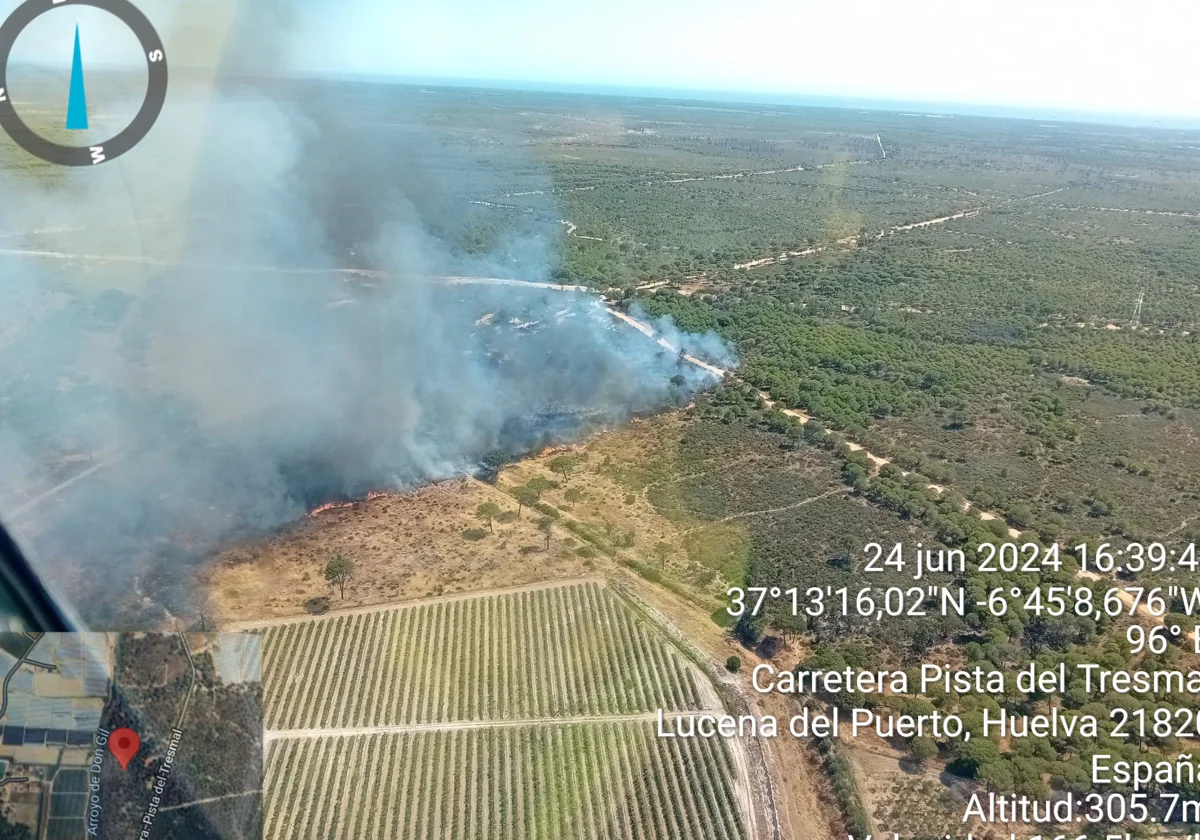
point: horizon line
(948, 108)
(837, 101)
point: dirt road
(414, 602)
(100, 461)
(837, 491)
(853, 241)
(137, 259)
(460, 725)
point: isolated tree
(957, 420)
(564, 465)
(487, 512)
(662, 551)
(540, 484)
(1044, 633)
(525, 496)
(921, 749)
(1020, 516)
(573, 495)
(795, 435)
(546, 526)
(924, 637)
(733, 664)
(339, 570)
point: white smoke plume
(236, 322)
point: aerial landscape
(948, 331)
(532, 434)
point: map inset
(188, 707)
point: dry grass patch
(405, 546)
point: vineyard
(550, 652)
(524, 715)
(583, 781)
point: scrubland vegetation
(1001, 354)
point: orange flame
(374, 494)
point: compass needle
(77, 118)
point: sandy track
(572, 227)
(138, 259)
(100, 462)
(414, 602)
(877, 460)
(686, 179)
(195, 802)
(837, 491)
(648, 331)
(853, 241)
(1138, 211)
(461, 725)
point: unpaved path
(1181, 525)
(99, 462)
(461, 725)
(853, 241)
(414, 602)
(1128, 600)
(648, 331)
(682, 179)
(837, 491)
(876, 460)
(730, 176)
(212, 799)
(138, 259)
(741, 785)
(1137, 211)
(572, 227)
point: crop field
(549, 652)
(519, 715)
(588, 780)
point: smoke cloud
(241, 320)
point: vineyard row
(557, 652)
(585, 781)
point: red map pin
(124, 744)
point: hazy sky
(1092, 55)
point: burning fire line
(374, 494)
(645, 329)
